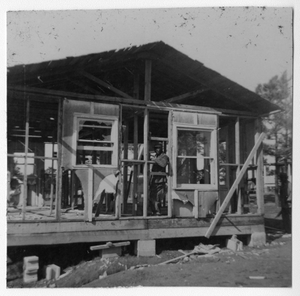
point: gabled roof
(175, 78)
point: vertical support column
(148, 68)
(59, 161)
(147, 97)
(26, 159)
(238, 162)
(145, 171)
(136, 91)
(135, 167)
(259, 172)
(170, 168)
(51, 185)
(88, 207)
(125, 168)
(196, 203)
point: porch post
(259, 172)
(148, 68)
(238, 162)
(59, 161)
(26, 159)
(145, 171)
(147, 97)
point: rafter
(177, 67)
(186, 95)
(106, 85)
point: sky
(248, 45)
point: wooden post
(147, 97)
(259, 174)
(135, 167)
(238, 162)
(26, 159)
(125, 167)
(234, 186)
(148, 66)
(170, 168)
(145, 170)
(88, 207)
(136, 89)
(51, 185)
(59, 161)
(196, 203)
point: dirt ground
(269, 265)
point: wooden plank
(186, 95)
(109, 245)
(31, 227)
(119, 235)
(106, 85)
(234, 186)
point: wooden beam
(148, 68)
(84, 86)
(234, 186)
(186, 95)
(74, 96)
(106, 85)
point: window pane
(193, 171)
(95, 130)
(193, 143)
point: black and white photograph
(150, 145)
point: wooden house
(72, 123)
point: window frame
(114, 138)
(213, 157)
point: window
(96, 141)
(195, 159)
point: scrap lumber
(177, 258)
(109, 245)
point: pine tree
(278, 126)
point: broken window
(194, 157)
(96, 141)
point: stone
(257, 239)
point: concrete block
(257, 239)
(111, 252)
(30, 269)
(30, 278)
(30, 263)
(52, 272)
(146, 248)
(234, 244)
